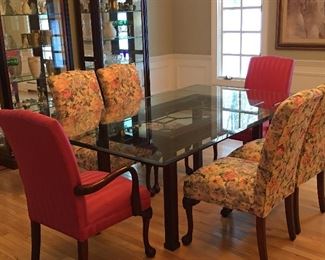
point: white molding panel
(170, 72)
(192, 69)
(162, 74)
(308, 74)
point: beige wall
(160, 23)
(179, 26)
(192, 27)
(190, 30)
(271, 32)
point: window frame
(216, 25)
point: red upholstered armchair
(79, 205)
(267, 73)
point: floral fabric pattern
(250, 151)
(78, 101)
(228, 181)
(121, 90)
(313, 150)
(312, 160)
(276, 171)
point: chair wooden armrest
(86, 189)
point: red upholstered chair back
(47, 167)
(269, 73)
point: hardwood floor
(214, 237)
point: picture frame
(300, 24)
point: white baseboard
(174, 71)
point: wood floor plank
(214, 237)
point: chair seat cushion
(228, 181)
(111, 204)
(250, 151)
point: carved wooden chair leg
(155, 188)
(36, 240)
(289, 201)
(320, 191)
(261, 238)
(188, 169)
(188, 205)
(83, 250)
(225, 212)
(146, 216)
(296, 211)
(215, 151)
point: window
(239, 36)
(237, 112)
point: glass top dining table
(173, 125)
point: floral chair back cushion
(276, 175)
(78, 101)
(121, 90)
(312, 159)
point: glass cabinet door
(35, 46)
(121, 25)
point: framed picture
(301, 24)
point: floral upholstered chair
(121, 90)
(79, 108)
(311, 162)
(257, 187)
(122, 93)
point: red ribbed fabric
(272, 75)
(49, 173)
(268, 79)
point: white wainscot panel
(192, 69)
(162, 74)
(308, 74)
(170, 72)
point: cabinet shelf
(28, 48)
(19, 40)
(116, 39)
(23, 78)
(115, 12)
(130, 45)
(29, 15)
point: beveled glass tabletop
(172, 125)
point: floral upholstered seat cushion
(121, 90)
(228, 181)
(78, 101)
(312, 160)
(250, 151)
(275, 173)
